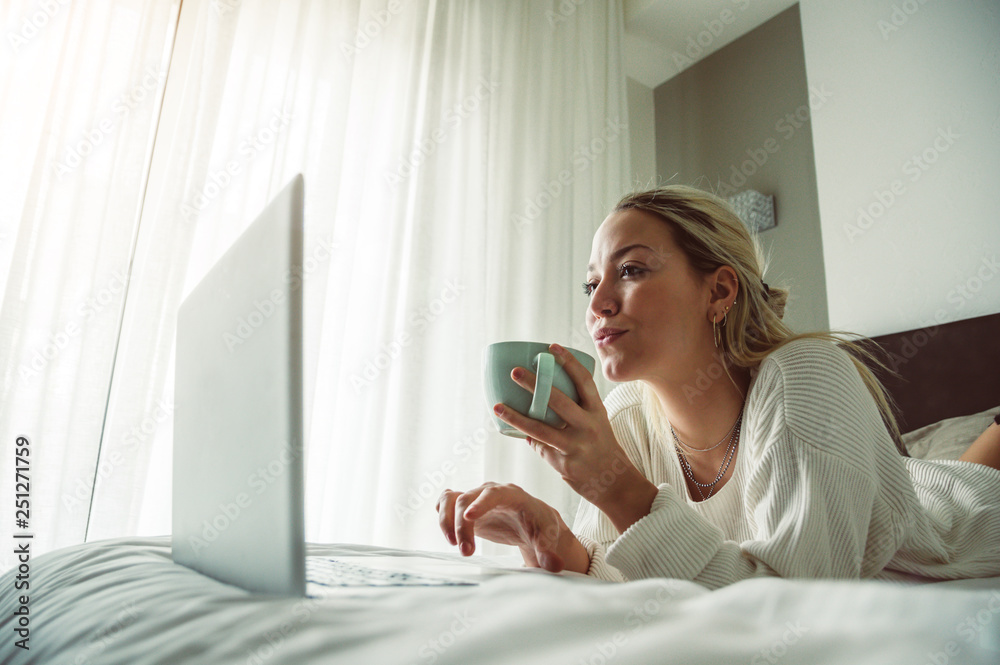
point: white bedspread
(125, 601)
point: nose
(603, 301)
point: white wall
(910, 134)
(739, 119)
(642, 134)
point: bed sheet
(125, 601)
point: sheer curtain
(458, 157)
(80, 92)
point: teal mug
(501, 358)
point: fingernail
(556, 349)
(498, 409)
(466, 548)
(517, 373)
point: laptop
(238, 482)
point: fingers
(492, 496)
(549, 454)
(512, 517)
(458, 522)
(532, 520)
(560, 402)
(451, 518)
(535, 429)
(446, 514)
(582, 378)
(465, 531)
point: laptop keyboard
(339, 573)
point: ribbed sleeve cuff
(599, 567)
(671, 541)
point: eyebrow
(618, 253)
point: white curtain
(457, 156)
(80, 89)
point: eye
(588, 288)
(629, 270)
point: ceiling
(664, 37)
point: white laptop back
(238, 513)
(237, 468)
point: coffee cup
(501, 358)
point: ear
(723, 287)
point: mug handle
(543, 385)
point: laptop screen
(237, 467)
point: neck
(702, 409)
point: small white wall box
(756, 210)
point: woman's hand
(508, 515)
(584, 451)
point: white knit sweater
(819, 491)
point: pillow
(948, 439)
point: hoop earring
(717, 335)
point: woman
(735, 448)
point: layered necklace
(733, 435)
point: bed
(125, 601)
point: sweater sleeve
(812, 497)
(811, 513)
(592, 527)
(599, 566)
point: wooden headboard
(945, 371)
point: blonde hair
(710, 234)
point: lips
(606, 336)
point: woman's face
(648, 312)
